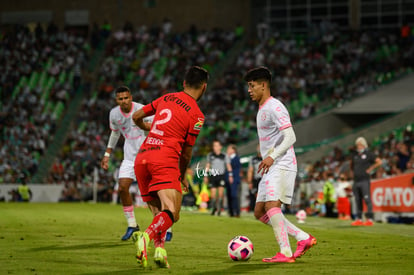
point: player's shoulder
(136, 105)
(115, 111)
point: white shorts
(127, 170)
(277, 184)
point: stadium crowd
(40, 70)
(311, 73)
(151, 61)
(324, 68)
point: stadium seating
(36, 85)
(150, 63)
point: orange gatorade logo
(199, 124)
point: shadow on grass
(81, 246)
(122, 272)
(240, 268)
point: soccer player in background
(120, 122)
(163, 159)
(216, 166)
(279, 168)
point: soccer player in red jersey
(163, 158)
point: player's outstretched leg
(303, 246)
(141, 241)
(160, 257)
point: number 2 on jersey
(161, 121)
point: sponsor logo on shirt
(154, 141)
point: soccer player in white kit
(120, 122)
(279, 168)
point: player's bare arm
(185, 159)
(376, 164)
(113, 139)
(138, 118)
(105, 159)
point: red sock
(160, 224)
(159, 239)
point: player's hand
(184, 183)
(264, 166)
(104, 163)
(250, 186)
(231, 179)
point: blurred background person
(363, 164)
(217, 163)
(343, 192)
(233, 182)
(253, 177)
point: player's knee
(258, 213)
(176, 216)
(123, 188)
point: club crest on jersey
(199, 124)
(263, 116)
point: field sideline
(84, 238)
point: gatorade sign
(394, 194)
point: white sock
(296, 232)
(130, 216)
(279, 226)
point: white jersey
(272, 118)
(134, 136)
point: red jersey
(177, 121)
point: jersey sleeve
(112, 122)
(195, 126)
(282, 118)
(151, 108)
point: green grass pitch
(84, 238)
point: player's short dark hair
(196, 76)
(259, 74)
(122, 89)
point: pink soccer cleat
(279, 258)
(357, 223)
(304, 246)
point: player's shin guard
(160, 224)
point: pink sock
(279, 226)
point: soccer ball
(301, 216)
(240, 248)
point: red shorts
(153, 177)
(344, 206)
